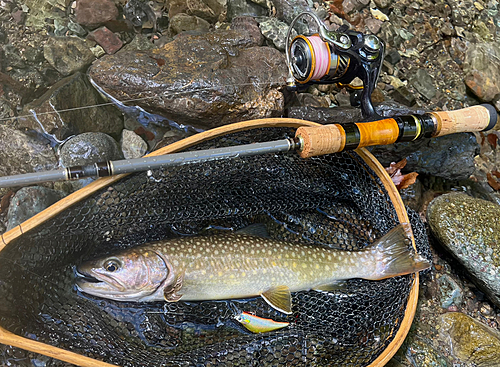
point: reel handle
(334, 138)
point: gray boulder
(469, 229)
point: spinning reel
(327, 57)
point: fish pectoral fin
(170, 292)
(331, 287)
(279, 298)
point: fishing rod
(308, 142)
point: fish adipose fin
(279, 298)
(170, 291)
(394, 256)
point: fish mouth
(83, 277)
(107, 287)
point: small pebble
(486, 309)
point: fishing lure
(257, 324)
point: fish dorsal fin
(170, 292)
(279, 298)
(256, 229)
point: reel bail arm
(335, 57)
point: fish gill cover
(334, 200)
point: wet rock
(307, 99)
(88, 148)
(383, 3)
(140, 42)
(22, 153)
(76, 28)
(93, 13)
(244, 8)
(404, 96)
(224, 83)
(275, 31)
(482, 68)
(286, 10)
(43, 12)
(417, 352)
(351, 5)
(12, 58)
(201, 10)
(60, 28)
(249, 26)
(424, 84)
(98, 51)
(484, 87)
(183, 22)
(343, 98)
(54, 112)
(393, 56)
(139, 13)
(177, 6)
(457, 50)
(67, 54)
(170, 137)
(450, 157)
(29, 201)
(451, 294)
(107, 40)
(373, 25)
(210, 10)
(470, 341)
(132, 145)
(469, 228)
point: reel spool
(326, 57)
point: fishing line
(165, 94)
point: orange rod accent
(380, 132)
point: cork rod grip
(335, 138)
(320, 140)
(476, 118)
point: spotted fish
(239, 266)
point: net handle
(335, 138)
(8, 338)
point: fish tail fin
(394, 257)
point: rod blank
(148, 163)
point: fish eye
(111, 266)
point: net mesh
(334, 201)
